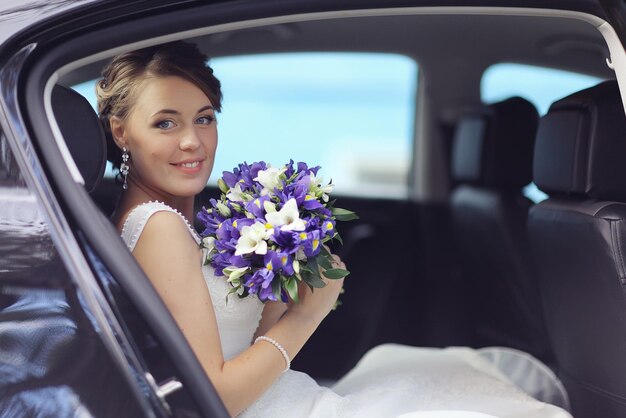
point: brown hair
(121, 78)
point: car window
(539, 85)
(351, 113)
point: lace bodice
(237, 319)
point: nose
(190, 140)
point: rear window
(539, 85)
(351, 113)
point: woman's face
(171, 136)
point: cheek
(148, 155)
(211, 142)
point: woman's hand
(318, 303)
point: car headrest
(581, 145)
(83, 133)
(493, 145)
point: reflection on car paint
(52, 359)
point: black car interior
(491, 163)
(578, 238)
(83, 134)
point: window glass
(539, 85)
(351, 113)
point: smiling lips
(189, 167)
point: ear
(118, 131)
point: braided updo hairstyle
(122, 78)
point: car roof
(16, 15)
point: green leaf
(292, 288)
(312, 265)
(335, 274)
(323, 261)
(276, 285)
(313, 280)
(344, 214)
(338, 238)
(324, 251)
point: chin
(189, 188)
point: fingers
(336, 262)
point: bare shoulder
(167, 242)
(172, 261)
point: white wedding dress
(389, 381)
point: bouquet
(265, 234)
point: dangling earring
(124, 167)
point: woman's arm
(272, 312)
(172, 261)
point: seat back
(578, 238)
(82, 132)
(492, 162)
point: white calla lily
(236, 194)
(209, 243)
(316, 188)
(223, 209)
(252, 240)
(269, 207)
(269, 179)
(287, 218)
(234, 273)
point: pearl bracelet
(278, 347)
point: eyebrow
(176, 112)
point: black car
(427, 116)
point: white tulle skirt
(395, 380)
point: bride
(158, 107)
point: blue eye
(164, 124)
(205, 120)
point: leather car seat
(491, 163)
(82, 132)
(578, 238)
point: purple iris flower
(303, 167)
(256, 167)
(211, 220)
(324, 212)
(279, 261)
(260, 284)
(256, 208)
(226, 230)
(289, 171)
(231, 179)
(287, 240)
(312, 244)
(328, 227)
(225, 246)
(292, 191)
(241, 222)
(240, 261)
(311, 203)
(312, 223)
(220, 261)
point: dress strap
(138, 217)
